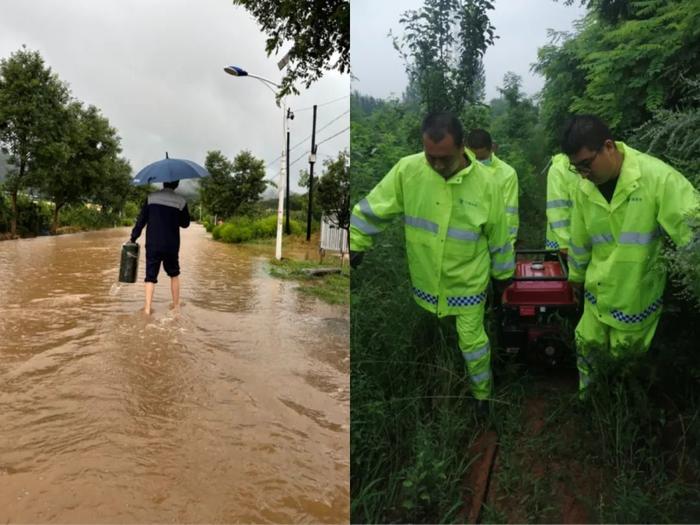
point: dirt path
(529, 469)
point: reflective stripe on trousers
(474, 344)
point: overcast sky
(155, 69)
(520, 24)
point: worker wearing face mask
(480, 143)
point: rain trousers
(456, 239)
(615, 251)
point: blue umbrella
(169, 170)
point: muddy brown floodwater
(235, 410)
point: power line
(333, 136)
(317, 131)
(298, 158)
(269, 164)
(332, 121)
(319, 143)
(324, 104)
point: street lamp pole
(239, 72)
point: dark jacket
(165, 212)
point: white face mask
(486, 162)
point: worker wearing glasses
(625, 203)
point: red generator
(538, 310)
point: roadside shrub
(33, 218)
(131, 211)
(85, 218)
(265, 227)
(243, 229)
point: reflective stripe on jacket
(615, 246)
(561, 184)
(508, 180)
(456, 230)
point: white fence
(333, 239)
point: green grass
(412, 417)
(331, 288)
(611, 454)
(244, 229)
(616, 458)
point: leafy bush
(33, 217)
(243, 229)
(85, 218)
(131, 211)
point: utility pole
(287, 228)
(312, 161)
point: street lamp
(240, 72)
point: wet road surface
(234, 410)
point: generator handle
(544, 252)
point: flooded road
(234, 410)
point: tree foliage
(231, 184)
(610, 11)
(82, 160)
(622, 68)
(57, 148)
(334, 190)
(442, 47)
(32, 100)
(319, 31)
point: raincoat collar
(629, 175)
(457, 177)
(495, 161)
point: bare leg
(175, 289)
(150, 288)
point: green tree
(32, 100)
(674, 136)
(515, 130)
(334, 190)
(231, 184)
(319, 32)
(622, 64)
(610, 11)
(75, 165)
(442, 48)
(519, 118)
(114, 188)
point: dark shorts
(170, 262)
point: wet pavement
(234, 410)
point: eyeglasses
(584, 166)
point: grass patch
(412, 416)
(331, 288)
(630, 454)
(244, 229)
(615, 458)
